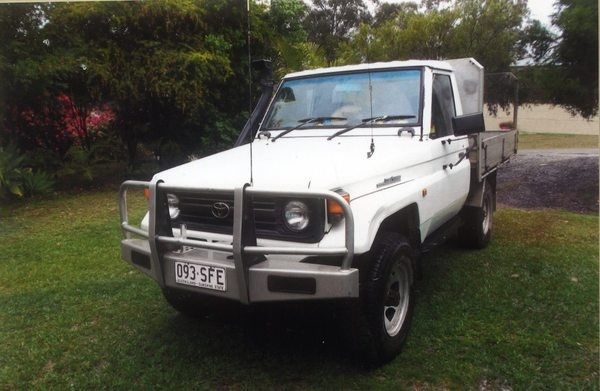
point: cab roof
(377, 65)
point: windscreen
(394, 93)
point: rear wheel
(379, 325)
(476, 231)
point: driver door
(451, 180)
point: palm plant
(11, 182)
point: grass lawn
(522, 313)
(556, 141)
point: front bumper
(253, 273)
(270, 280)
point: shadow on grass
(276, 341)
(106, 333)
(267, 337)
(285, 342)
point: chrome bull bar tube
(244, 246)
(347, 251)
(125, 227)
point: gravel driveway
(565, 179)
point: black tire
(365, 323)
(476, 230)
(189, 304)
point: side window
(442, 107)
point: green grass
(556, 141)
(522, 313)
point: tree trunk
(131, 152)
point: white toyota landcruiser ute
(338, 183)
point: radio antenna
(249, 82)
(372, 146)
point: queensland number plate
(202, 276)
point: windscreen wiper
(367, 121)
(307, 121)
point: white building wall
(546, 119)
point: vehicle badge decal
(220, 210)
(389, 181)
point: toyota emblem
(220, 210)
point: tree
(537, 43)
(22, 85)
(562, 69)
(153, 61)
(394, 11)
(489, 31)
(574, 80)
(329, 23)
(174, 73)
(292, 52)
(286, 17)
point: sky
(541, 10)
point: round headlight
(173, 203)
(295, 216)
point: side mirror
(468, 124)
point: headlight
(295, 216)
(173, 203)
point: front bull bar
(244, 248)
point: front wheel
(380, 321)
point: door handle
(450, 140)
(461, 156)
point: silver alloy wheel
(487, 215)
(397, 297)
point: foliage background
(90, 89)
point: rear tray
(493, 149)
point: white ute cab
(352, 173)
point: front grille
(196, 212)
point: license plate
(202, 276)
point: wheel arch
(405, 221)
(475, 197)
